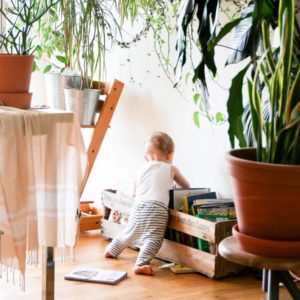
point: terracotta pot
(266, 196)
(15, 73)
(19, 100)
(267, 248)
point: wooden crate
(211, 264)
(90, 218)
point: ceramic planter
(267, 201)
(15, 76)
(19, 100)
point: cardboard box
(210, 264)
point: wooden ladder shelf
(112, 95)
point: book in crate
(210, 264)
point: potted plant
(17, 44)
(93, 24)
(266, 179)
(75, 49)
(55, 55)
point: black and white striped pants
(146, 226)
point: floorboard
(163, 286)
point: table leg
(273, 285)
(265, 280)
(48, 270)
(289, 283)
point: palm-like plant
(278, 136)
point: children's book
(96, 275)
(188, 201)
(177, 194)
(177, 269)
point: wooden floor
(164, 285)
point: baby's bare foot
(144, 270)
(108, 255)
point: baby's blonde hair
(161, 141)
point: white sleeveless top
(153, 182)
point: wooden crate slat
(111, 229)
(224, 267)
(200, 261)
(117, 202)
(192, 225)
(224, 230)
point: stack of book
(201, 203)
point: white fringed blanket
(42, 164)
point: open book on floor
(96, 275)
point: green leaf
(196, 119)
(196, 98)
(223, 32)
(38, 52)
(187, 77)
(35, 66)
(219, 117)
(47, 68)
(235, 109)
(61, 58)
(293, 97)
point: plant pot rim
(267, 248)
(61, 74)
(82, 90)
(246, 156)
(15, 55)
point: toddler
(149, 215)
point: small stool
(275, 270)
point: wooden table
(275, 270)
(42, 165)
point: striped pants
(146, 226)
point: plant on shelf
(20, 17)
(18, 44)
(266, 179)
(56, 35)
(75, 36)
(94, 23)
(78, 38)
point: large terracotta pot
(267, 201)
(15, 76)
(15, 73)
(19, 100)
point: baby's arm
(179, 178)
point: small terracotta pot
(266, 196)
(15, 73)
(19, 100)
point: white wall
(150, 103)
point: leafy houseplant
(93, 22)
(17, 42)
(56, 32)
(266, 180)
(74, 39)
